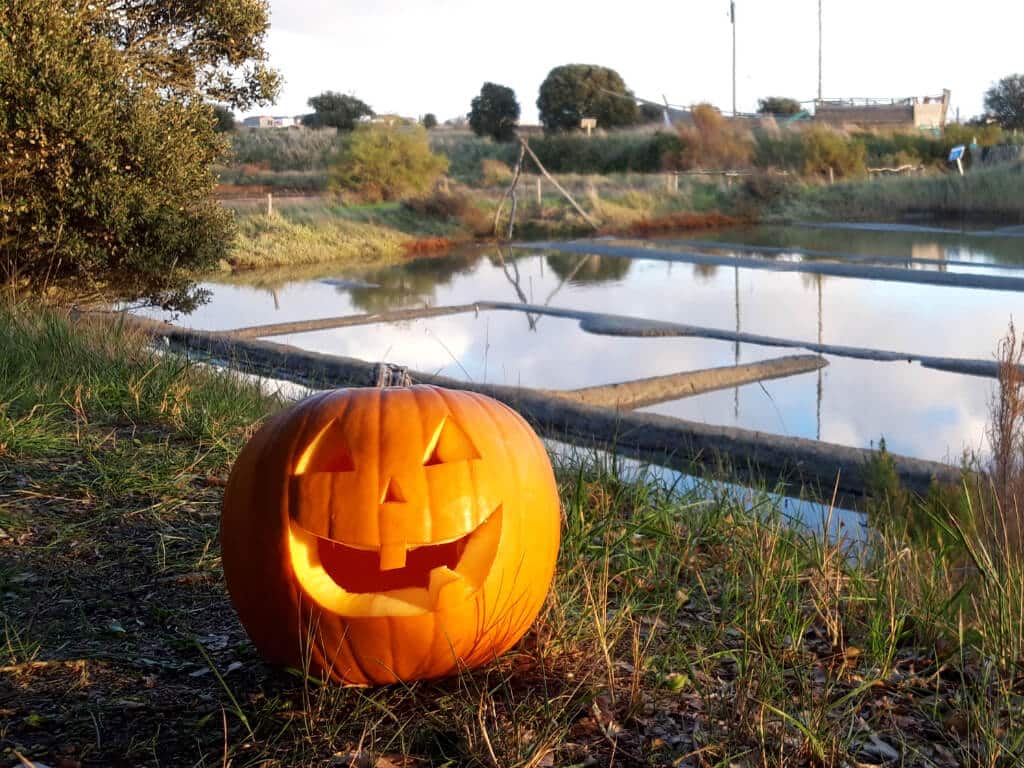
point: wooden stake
(270, 204)
(556, 185)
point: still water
(920, 412)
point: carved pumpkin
(390, 534)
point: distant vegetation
(778, 105)
(1004, 102)
(574, 91)
(336, 110)
(380, 163)
(495, 112)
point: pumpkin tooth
(444, 585)
(392, 557)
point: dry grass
(695, 628)
(1006, 440)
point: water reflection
(919, 411)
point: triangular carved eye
(329, 452)
(449, 443)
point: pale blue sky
(433, 55)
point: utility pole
(819, 50)
(732, 18)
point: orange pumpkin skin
(384, 535)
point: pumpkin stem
(389, 375)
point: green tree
(224, 119)
(105, 178)
(651, 113)
(336, 110)
(429, 121)
(1004, 102)
(778, 105)
(495, 112)
(574, 91)
(384, 163)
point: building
(268, 121)
(927, 112)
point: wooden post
(831, 175)
(540, 196)
(270, 204)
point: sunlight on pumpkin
(473, 557)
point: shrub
(616, 153)
(106, 180)
(429, 121)
(311, 150)
(452, 206)
(713, 142)
(494, 172)
(383, 163)
(811, 151)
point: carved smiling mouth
(348, 581)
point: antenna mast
(732, 18)
(819, 50)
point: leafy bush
(451, 206)
(811, 151)
(429, 121)
(106, 180)
(383, 163)
(616, 153)
(564, 153)
(712, 142)
(494, 172)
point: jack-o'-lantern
(379, 535)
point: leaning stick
(557, 186)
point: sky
(411, 57)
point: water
(920, 412)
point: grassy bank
(985, 194)
(304, 231)
(682, 630)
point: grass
(687, 629)
(986, 194)
(306, 232)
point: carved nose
(392, 492)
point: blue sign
(956, 153)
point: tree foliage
(336, 110)
(385, 163)
(574, 91)
(1004, 102)
(778, 105)
(429, 121)
(652, 113)
(495, 112)
(108, 141)
(224, 119)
